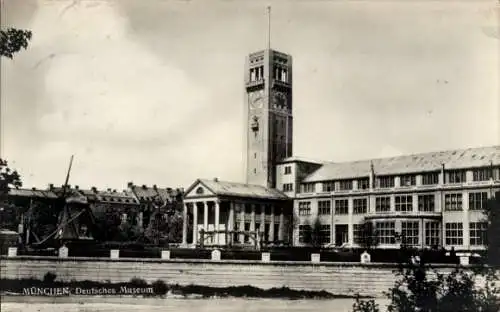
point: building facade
(425, 200)
(429, 200)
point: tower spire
(269, 27)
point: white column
(282, 225)
(230, 223)
(195, 223)
(465, 207)
(263, 220)
(205, 216)
(271, 226)
(184, 224)
(252, 221)
(242, 222)
(350, 226)
(216, 221)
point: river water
(94, 304)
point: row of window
(431, 178)
(410, 233)
(402, 203)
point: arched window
(199, 190)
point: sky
(152, 91)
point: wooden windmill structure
(74, 215)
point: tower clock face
(256, 99)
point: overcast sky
(152, 91)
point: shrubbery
(416, 290)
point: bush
(49, 277)
(159, 287)
(365, 306)
(138, 283)
(415, 291)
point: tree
(416, 291)
(369, 236)
(12, 40)
(8, 212)
(317, 236)
(165, 227)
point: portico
(220, 213)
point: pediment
(198, 189)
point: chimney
(94, 189)
(33, 188)
(51, 186)
(216, 180)
(77, 187)
(109, 190)
(144, 186)
(154, 187)
(114, 191)
(130, 184)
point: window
(407, 180)
(478, 233)
(328, 186)
(304, 208)
(324, 207)
(410, 232)
(358, 233)
(482, 174)
(325, 234)
(341, 206)
(453, 202)
(288, 169)
(477, 201)
(432, 234)
(385, 182)
(307, 188)
(363, 184)
(404, 203)
(288, 187)
(430, 178)
(304, 233)
(426, 203)
(199, 190)
(385, 231)
(383, 204)
(454, 233)
(345, 185)
(360, 205)
(456, 176)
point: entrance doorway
(341, 234)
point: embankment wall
(370, 279)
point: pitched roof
(424, 162)
(151, 193)
(302, 159)
(32, 193)
(241, 190)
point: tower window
(254, 170)
(254, 155)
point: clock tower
(268, 114)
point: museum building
(430, 200)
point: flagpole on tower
(269, 27)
